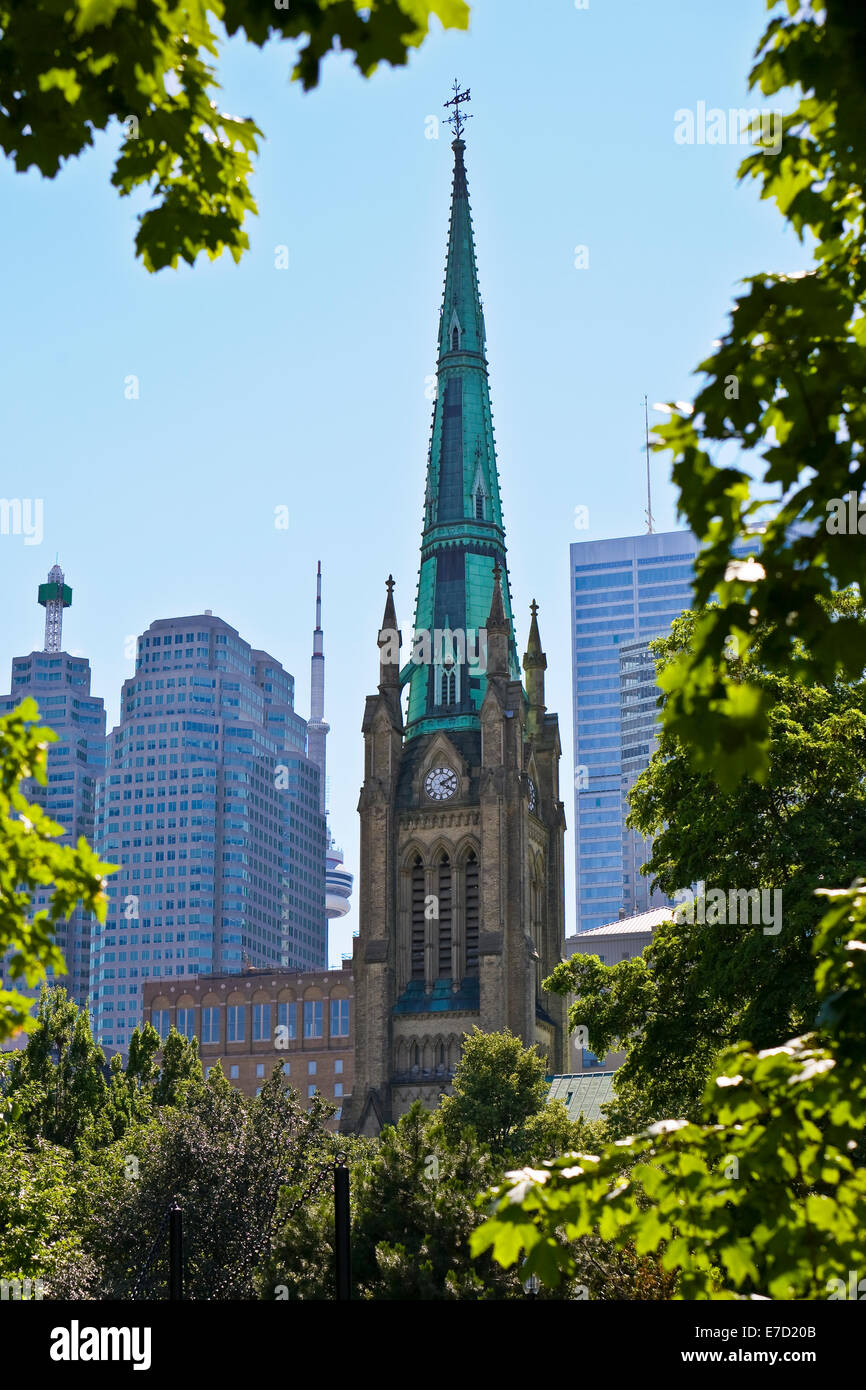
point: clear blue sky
(305, 387)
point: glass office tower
(60, 685)
(210, 807)
(623, 593)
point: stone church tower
(461, 895)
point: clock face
(532, 795)
(440, 783)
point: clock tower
(461, 885)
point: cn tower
(338, 881)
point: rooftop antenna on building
(649, 500)
(54, 596)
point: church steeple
(460, 809)
(463, 537)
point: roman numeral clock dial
(440, 783)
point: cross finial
(533, 608)
(457, 120)
(389, 584)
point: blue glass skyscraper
(211, 808)
(623, 592)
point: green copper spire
(463, 538)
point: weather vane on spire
(457, 120)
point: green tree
(413, 1208)
(765, 1196)
(500, 1093)
(180, 1068)
(225, 1157)
(37, 1226)
(146, 1084)
(787, 384)
(31, 861)
(414, 1195)
(702, 985)
(57, 1081)
(57, 1089)
(148, 68)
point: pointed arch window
(418, 920)
(447, 684)
(473, 914)
(455, 339)
(444, 894)
(479, 505)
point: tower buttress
(535, 665)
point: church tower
(461, 894)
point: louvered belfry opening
(472, 914)
(444, 894)
(418, 920)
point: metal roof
(584, 1093)
(628, 926)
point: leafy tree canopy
(30, 862)
(704, 984)
(765, 1196)
(789, 384)
(500, 1094)
(149, 67)
(225, 1158)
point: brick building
(250, 1022)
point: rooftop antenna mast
(649, 500)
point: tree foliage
(57, 1081)
(765, 1196)
(701, 985)
(413, 1208)
(37, 1193)
(415, 1193)
(69, 68)
(789, 384)
(224, 1158)
(30, 862)
(500, 1095)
